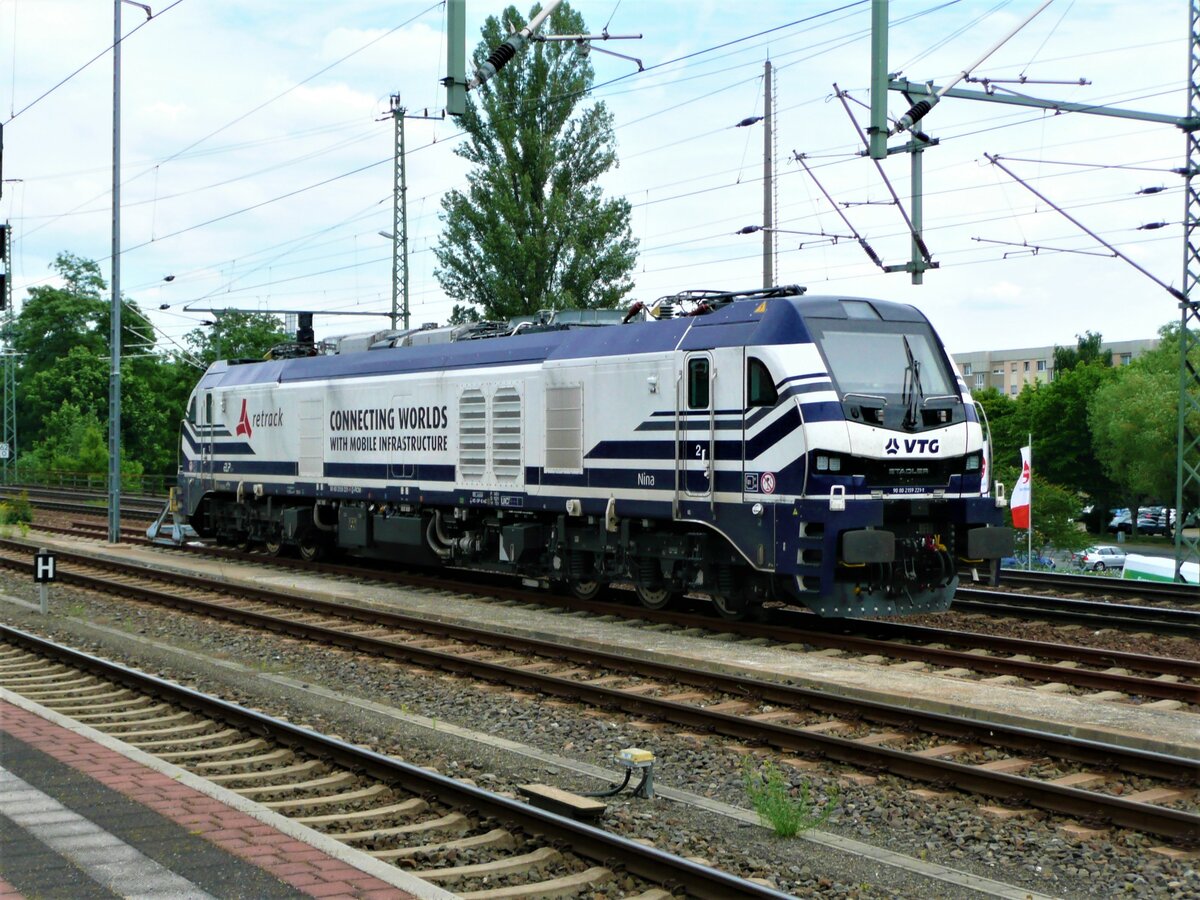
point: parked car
(1157, 520)
(1121, 521)
(1018, 562)
(1100, 558)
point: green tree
(1057, 417)
(55, 320)
(79, 378)
(235, 335)
(78, 446)
(1088, 349)
(533, 230)
(1008, 428)
(63, 334)
(1134, 420)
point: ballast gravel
(1028, 850)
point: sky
(257, 155)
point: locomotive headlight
(974, 461)
(822, 463)
(835, 464)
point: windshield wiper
(912, 392)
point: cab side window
(760, 386)
(698, 383)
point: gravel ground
(1075, 635)
(1027, 850)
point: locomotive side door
(695, 428)
(400, 462)
(205, 433)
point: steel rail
(824, 632)
(1057, 798)
(1163, 619)
(132, 512)
(593, 843)
(1095, 584)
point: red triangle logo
(243, 425)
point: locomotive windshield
(870, 357)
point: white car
(1100, 558)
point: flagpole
(1029, 532)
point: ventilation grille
(312, 421)
(472, 434)
(506, 435)
(564, 429)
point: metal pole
(918, 211)
(456, 57)
(43, 590)
(1187, 461)
(402, 232)
(1029, 531)
(768, 206)
(114, 376)
(9, 414)
(397, 162)
(878, 129)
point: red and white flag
(1020, 502)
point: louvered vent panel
(506, 435)
(564, 428)
(472, 434)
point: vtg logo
(912, 445)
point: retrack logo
(243, 425)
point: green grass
(788, 813)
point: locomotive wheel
(311, 547)
(273, 546)
(732, 609)
(655, 598)
(584, 590)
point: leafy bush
(771, 796)
(16, 509)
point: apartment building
(1008, 371)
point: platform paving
(83, 815)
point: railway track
(37, 492)
(85, 503)
(1093, 585)
(1092, 613)
(1151, 677)
(394, 811)
(1148, 791)
(1161, 620)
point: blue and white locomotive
(749, 447)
